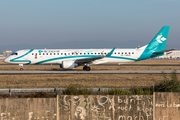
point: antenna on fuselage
(138, 47)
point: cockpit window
(14, 54)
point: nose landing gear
(21, 65)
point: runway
(114, 64)
(87, 72)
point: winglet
(109, 54)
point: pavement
(87, 72)
(115, 64)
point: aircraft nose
(6, 60)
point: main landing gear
(87, 68)
(21, 65)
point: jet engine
(68, 64)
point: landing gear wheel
(21, 65)
(21, 69)
(84, 68)
(87, 68)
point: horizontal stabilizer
(163, 51)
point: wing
(91, 59)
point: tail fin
(158, 43)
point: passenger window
(36, 53)
(132, 52)
(91, 53)
(43, 53)
(129, 53)
(46, 53)
(105, 53)
(54, 53)
(50, 53)
(114, 53)
(57, 53)
(98, 53)
(72, 53)
(80, 53)
(84, 53)
(88, 53)
(95, 53)
(125, 52)
(64, 53)
(32, 53)
(118, 52)
(39, 53)
(61, 53)
(122, 52)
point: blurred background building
(173, 55)
(5, 54)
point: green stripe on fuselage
(15, 59)
(86, 56)
(121, 58)
(66, 57)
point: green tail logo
(158, 43)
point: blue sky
(53, 21)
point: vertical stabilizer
(157, 44)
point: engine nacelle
(68, 64)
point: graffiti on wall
(125, 107)
(167, 106)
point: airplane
(72, 58)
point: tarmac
(116, 64)
(87, 72)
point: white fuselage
(56, 56)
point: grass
(78, 90)
(166, 85)
(30, 95)
(169, 83)
(88, 80)
(161, 82)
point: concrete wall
(122, 107)
(164, 106)
(167, 106)
(28, 109)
